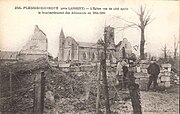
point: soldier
(154, 71)
(125, 71)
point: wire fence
(17, 93)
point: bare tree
(165, 52)
(175, 47)
(145, 18)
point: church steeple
(61, 45)
(61, 34)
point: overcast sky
(16, 26)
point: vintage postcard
(89, 57)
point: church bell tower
(61, 46)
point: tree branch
(125, 20)
(126, 27)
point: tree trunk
(142, 44)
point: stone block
(138, 69)
(166, 65)
(165, 78)
(167, 84)
(144, 70)
(144, 61)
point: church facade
(71, 50)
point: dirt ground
(161, 102)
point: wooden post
(0, 85)
(88, 89)
(43, 78)
(104, 76)
(39, 93)
(134, 93)
(98, 88)
(10, 85)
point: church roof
(87, 44)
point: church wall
(92, 54)
(84, 54)
(87, 53)
(70, 49)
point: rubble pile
(165, 74)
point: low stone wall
(165, 74)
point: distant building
(72, 50)
(8, 57)
(36, 47)
(123, 48)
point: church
(71, 50)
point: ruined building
(36, 47)
(72, 50)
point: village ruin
(32, 81)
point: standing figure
(154, 71)
(125, 71)
(119, 72)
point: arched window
(72, 51)
(123, 53)
(93, 56)
(125, 46)
(84, 56)
(110, 57)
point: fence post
(10, 85)
(39, 93)
(98, 88)
(134, 94)
(0, 86)
(43, 78)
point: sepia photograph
(89, 56)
